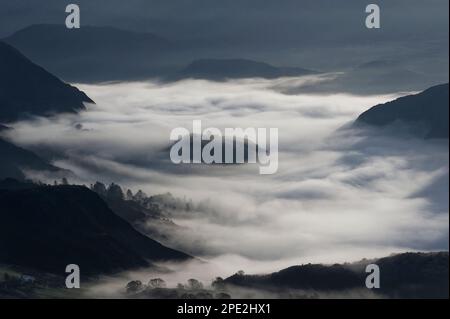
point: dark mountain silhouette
(221, 69)
(48, 227)
(14, 160)
(383, 76)
(372, 77)
(249, 148)
(408, 275)
(142, 212)
(26, 88)
(14, 184)
(95, 54)
(91, 53)
(427, 112)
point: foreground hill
(427, 113)
(14, 160)
(408, 275)
(26, 88)
(49, 227)
(221, 69)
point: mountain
(98, 54)
(427, 112)
(408, 275)
(372, 77)
(248, 148)
(48, 227)
(221, 69)
(26, 88)
(91, 54)
(383, 76)
(14, 160)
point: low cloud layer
(339, 195)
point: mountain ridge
(49, 227)
(44, 93)
(14, 160)
(96, 54)
(221, 69)
(427, 112)
(405, 275)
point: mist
(340, 194)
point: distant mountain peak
(378, 64)
(93, 53)
(218, 69)
(53, 30)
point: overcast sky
(278, 30)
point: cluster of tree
(192, 289)
(161, 201)
(168, 202)
(114, 191)
(137, 285)
(192, 284)
(149, 214)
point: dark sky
(278, 30)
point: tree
(218, 283)
(140, 196)
(64, 181)
(194, 284)
(134, 286)
(157, 283)
(129, 195)
(99, 188)
(180, 286)
(114, 192)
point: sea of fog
(339, 195)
